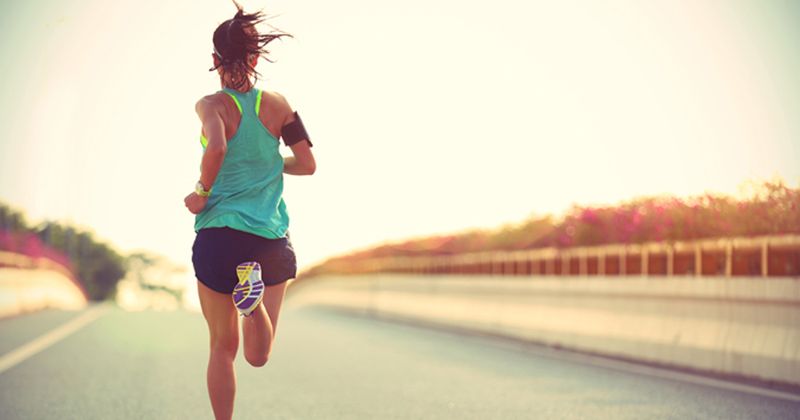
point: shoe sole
(247, 294)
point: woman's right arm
(214, 129)
(210, 114)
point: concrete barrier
(31, 284)
(747, 327)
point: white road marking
(697, 379)
(15, 357)
(655, 371)
(600, 361)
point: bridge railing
(764, 256)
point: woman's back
(247, 194)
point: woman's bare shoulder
(210, 101)
(277, 103)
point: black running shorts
(217, 251)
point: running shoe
(248, 293)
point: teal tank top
(248, 192)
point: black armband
(295, 132)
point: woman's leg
(259, 328)
(223, 328)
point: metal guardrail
(774, 255)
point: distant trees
(96, 266)
(156, 273)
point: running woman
(242, 255)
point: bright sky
(428, 116)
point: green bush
(97, 266)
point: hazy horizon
(427, 117)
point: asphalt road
(331, 365)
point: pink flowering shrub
(773, 208)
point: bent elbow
(216, 151)
(311, 168)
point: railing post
(644, 257)
(698, 260)
(670, 260)
(728, 258)
(623, 260)
(531, 259)
(500, 263)
(601, 262)
(764, 258)
(583, 264)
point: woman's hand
(195, 203)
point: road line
(641, 368)
(15, 357)
(542, 350)
(662, 373)
(666, 373)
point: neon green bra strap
(204, 140)
(238, 105)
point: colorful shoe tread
(248, 293)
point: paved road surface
(330, 365)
